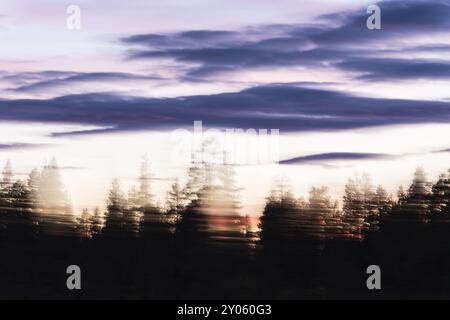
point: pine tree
(55, 211)
(421, 187)
(281, 196)
(7, 178)
(175, 199)
(116, 210)
(97, 222)
(318, 213)
(34, 182)
(227, 187)
(116, 198)
(318, 198)
(84, 224)
(146, 200)
(135, 211)
(320, 220)
(401, 195)
(202, 175)
(212, 209)
(196, 181)
(16, 218)
(225, 204)
(354, 211)
(383, 201)
(369, 196)
(5, 185)
(134, 199)
(415, 206)
(52, 192)
(280, 221)
(363, 205)
(19, 196)
(370, 204)
(440, 202)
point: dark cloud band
(289, 108)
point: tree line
(208, 204)
(365, 208)
(197, 243)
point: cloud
(336, 42)
(218, 51)
(341, 40)
(442, 151)
(289, 108)
(396, 69)
(350, 156)
(52, 79)
(439, 47)
(183, 39)
(17, 146)
(335, 156)
(22, 78)
(399, 19)
(83, 132)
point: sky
(344, 99)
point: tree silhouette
(89, 224)
(17, 214)
(19, 196)
(415, 205)
(97, 222)
(440, 204)
(7, 178)
(55, 207)
(279, 223)
(116, 207)
(201, 233)
(355, 213)
(34, 183)
(383, 201)
(175, 202)
(5, 184)
(152, 224)
(363, 206)
(133, 213)
(323, 218)
(84, 224)
(146, 198)
(401, 195)
(212, 210)
(52, 190)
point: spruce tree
(146, 198)
(415, 205)
(175, 199)
(116, 207)
(354, 211)
(5, 185)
